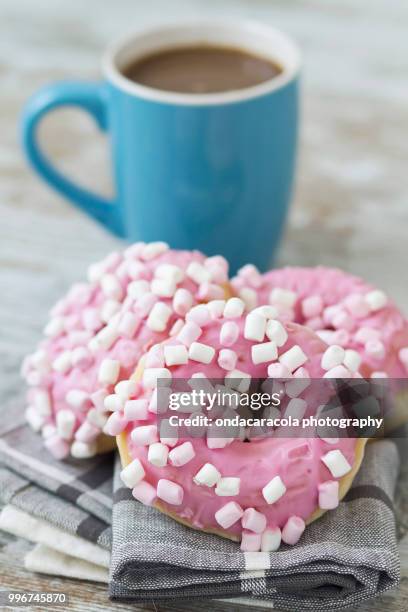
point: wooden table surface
(350, 207)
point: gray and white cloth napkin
(347, 556)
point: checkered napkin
(347, 556)
(65, 508)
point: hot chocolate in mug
(207, 171)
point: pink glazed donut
(342, 308)
(98, 332)
(258, 492)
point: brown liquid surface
(201, 69)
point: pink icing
(297, 461)
(338, 289)
(78, 319)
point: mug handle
(90, 97)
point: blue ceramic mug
(200, 171)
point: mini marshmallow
(273, 490)
(342, 320)
(182, 301)
(113, 403)
(169, 271)
(283, 297)
(255, 327)
(375, 348)
(292, 531)
(42, 402)
(189, 333)
(403, 357)
(198, 273)
(145, 304)
(87, 433)
(163, 287)
(253, 520)
(201, 352)
(234, 308)
(34, 419)
(338, 372)
(336, 463)
(227, 359)
(207, 476)
(134, 269)
(352, 360)
(54, 327)
(81, 358)
(200, 315)
(65, 421)
(175, 355)
(144, 492)
(96, 418)
(168, 433)
(98, 398)
(132, 474)
(144, 435)
(276, 332)
(249, 297)
(262, 353)
(379, 375)
(111, 287)
(218, 267)
(63, 362)
(154, 357)
(157, 454)
(109, 309)
(152, 375)
(159, 317)
(315, 323)
(176, 328)
(296, 408)
(58, 447)
(136, 410)
(251, 274)
(115, 424)
(108, 371)
(278, 370)
(364, 334)
(271, 539)
(83, 450)
(293, 358)
(250, 542)
(153, 249)
(210, 291)
(134, 251)
(229, 333)
(218, 442)
(170, 492)
(238, 380)
(227, 486)
(376, 300)
(128, 325)
(216, 307)
(180, 455)
(106, 337)
(312, 306)
(267, 311)
(332, 357)
(126, 388)
(328, 495)
(301, 381)
(357, 305)
(228, 514)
